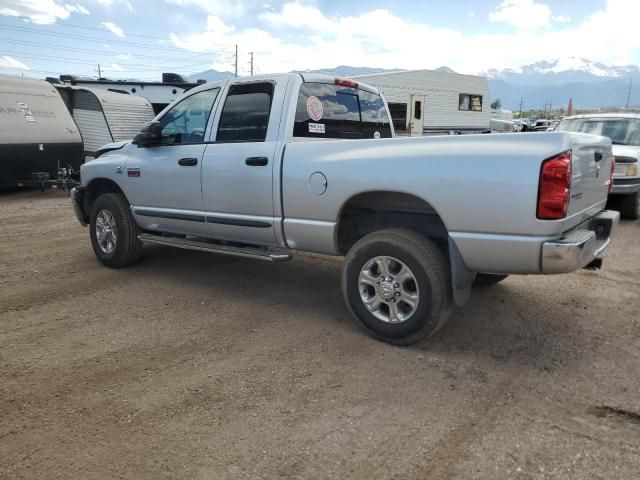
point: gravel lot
(197, 366)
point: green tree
(496, 104)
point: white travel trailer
(159, 94)
(105, 117)
(426, 102)
(39, 141)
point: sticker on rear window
(316, 128)
(314, 108)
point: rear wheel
(630, 206)
(397, 284)
(114, 233)
(487, 279)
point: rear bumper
(580, 246)
(625, 186)
(77, 200)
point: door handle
(256, 161)
(188, 162)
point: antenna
(236, 60)
(629, 94)
(251, 55)
(100, 75)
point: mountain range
(590, 84)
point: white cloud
(10, 62)
(302, 37)
(523, 14)
(561, 18)
(114, 66)
(41, 12)
(77, 9)
(113, 28)
(124, 56)
(301, 17)
(110, 3)
(221, 8)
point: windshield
(621, 131)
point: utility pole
(629, 93)
(99, 74)
(236, 60)
(520, 115)
(251, 55)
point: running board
(203, 246)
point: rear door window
(332, 111)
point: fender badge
(133, 171)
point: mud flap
(461, 277)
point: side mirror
(150, 134)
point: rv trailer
(159, 94)
(433, 102)
(39, 141)
(105, 117)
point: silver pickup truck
(262, 166)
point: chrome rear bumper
(625, 186)
(580, 246)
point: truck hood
(110, 147)
(632, 151)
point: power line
(106, 30)
(96, 39)
(81, 62)
(102, 52)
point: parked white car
(624, 131)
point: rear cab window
(340, 112)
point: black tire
(430, 269)
(487, 279)
(127, 247)
(630, 206)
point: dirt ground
(197, 366)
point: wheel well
(371, 211)
(98, 187)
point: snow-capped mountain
(562, 70)
(589, 83)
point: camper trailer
(159, 94)
(105, 117)
(39, 141)
(434, 102)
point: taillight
(554, 190)
(613, 167)
(346, 83)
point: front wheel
(397, 285)
(630, 206)
(114, 233)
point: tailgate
(591, 167)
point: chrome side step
(204, 246)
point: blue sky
(142, 38)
